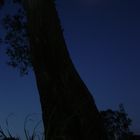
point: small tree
(117, 123)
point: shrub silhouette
(29, 134)
(4, 136)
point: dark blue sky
(103, 40)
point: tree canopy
(117, 123)
(16, 38)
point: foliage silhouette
(117, 123)
(8, 135)
(29, 134)
(16, 39)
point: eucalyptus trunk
(68, 109)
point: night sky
(103, 40)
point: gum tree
(68, 109)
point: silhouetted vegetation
(16, 40)
(30, 133)
(4, 136)
(117, 123)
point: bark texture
(68, 109)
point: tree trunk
(68, 109)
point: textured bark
(68, 109)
